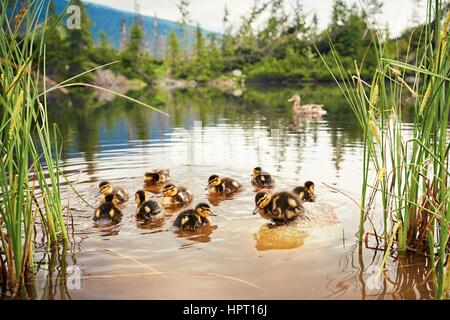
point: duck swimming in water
(107, 212)
(157, 177)
(311, 110)
(306, 192)
(261, 179)
(279, 207)
(194, 218)
(222, 186)
(147, 210)
(120, 194)
(176, 196)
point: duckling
(147, 209)
(193, 219)
(306, 193)
(261, 179)
(279, 207)
(173, 195)
(107, 212)
(119, 193)
(157, 177)
(217, 185)
(314, 110)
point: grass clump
(407, 169)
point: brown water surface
(239, 256)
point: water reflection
(407, 276)
(281, 237)
(202, 234)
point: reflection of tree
(406, 277)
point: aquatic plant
(407, 170)
(30, 174)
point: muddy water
(238, 257)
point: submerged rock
(319, 214)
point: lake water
(238, 257)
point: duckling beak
(208, 186)
(214, 215)
(256, 210)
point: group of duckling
(280, 207)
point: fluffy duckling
(107, 212)
(306, 193)
(119, 193)
(226, 186)
(261, 179)
(193, 219)
(147, 210)
(279, 207)
(175, 196)
(157, 177)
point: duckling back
(183, 196)
(264, 180)
(107, 213)
(283, 206)
(188, 220)
(149, 210)
(229, 186)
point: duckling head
(262, 200)
(105, 187)
(140, 197)
(310, 186)
(151, 177)
(257, 171)
(213, 181)
(170, 190)
(203, 210)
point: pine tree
(173, 55)
(373, 10)
(415, 19)
(339, 15)
(78, 44)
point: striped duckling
(261, 179)
(176, 195)
(223, 186)
(194, 218)
(120, 194)
(157, 177)
(107, 212)
(306, 192)
(147, 210)
(279, 207)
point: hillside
(109, 21)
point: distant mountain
(109, 20)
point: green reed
(411, 171)
(30, 195)
(29, 162)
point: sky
(209, 13)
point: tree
(373, 10)
(78, 44)
(415, 19)
(173, 55)
(339, 15)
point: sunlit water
(238, 257)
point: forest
(287, 47)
